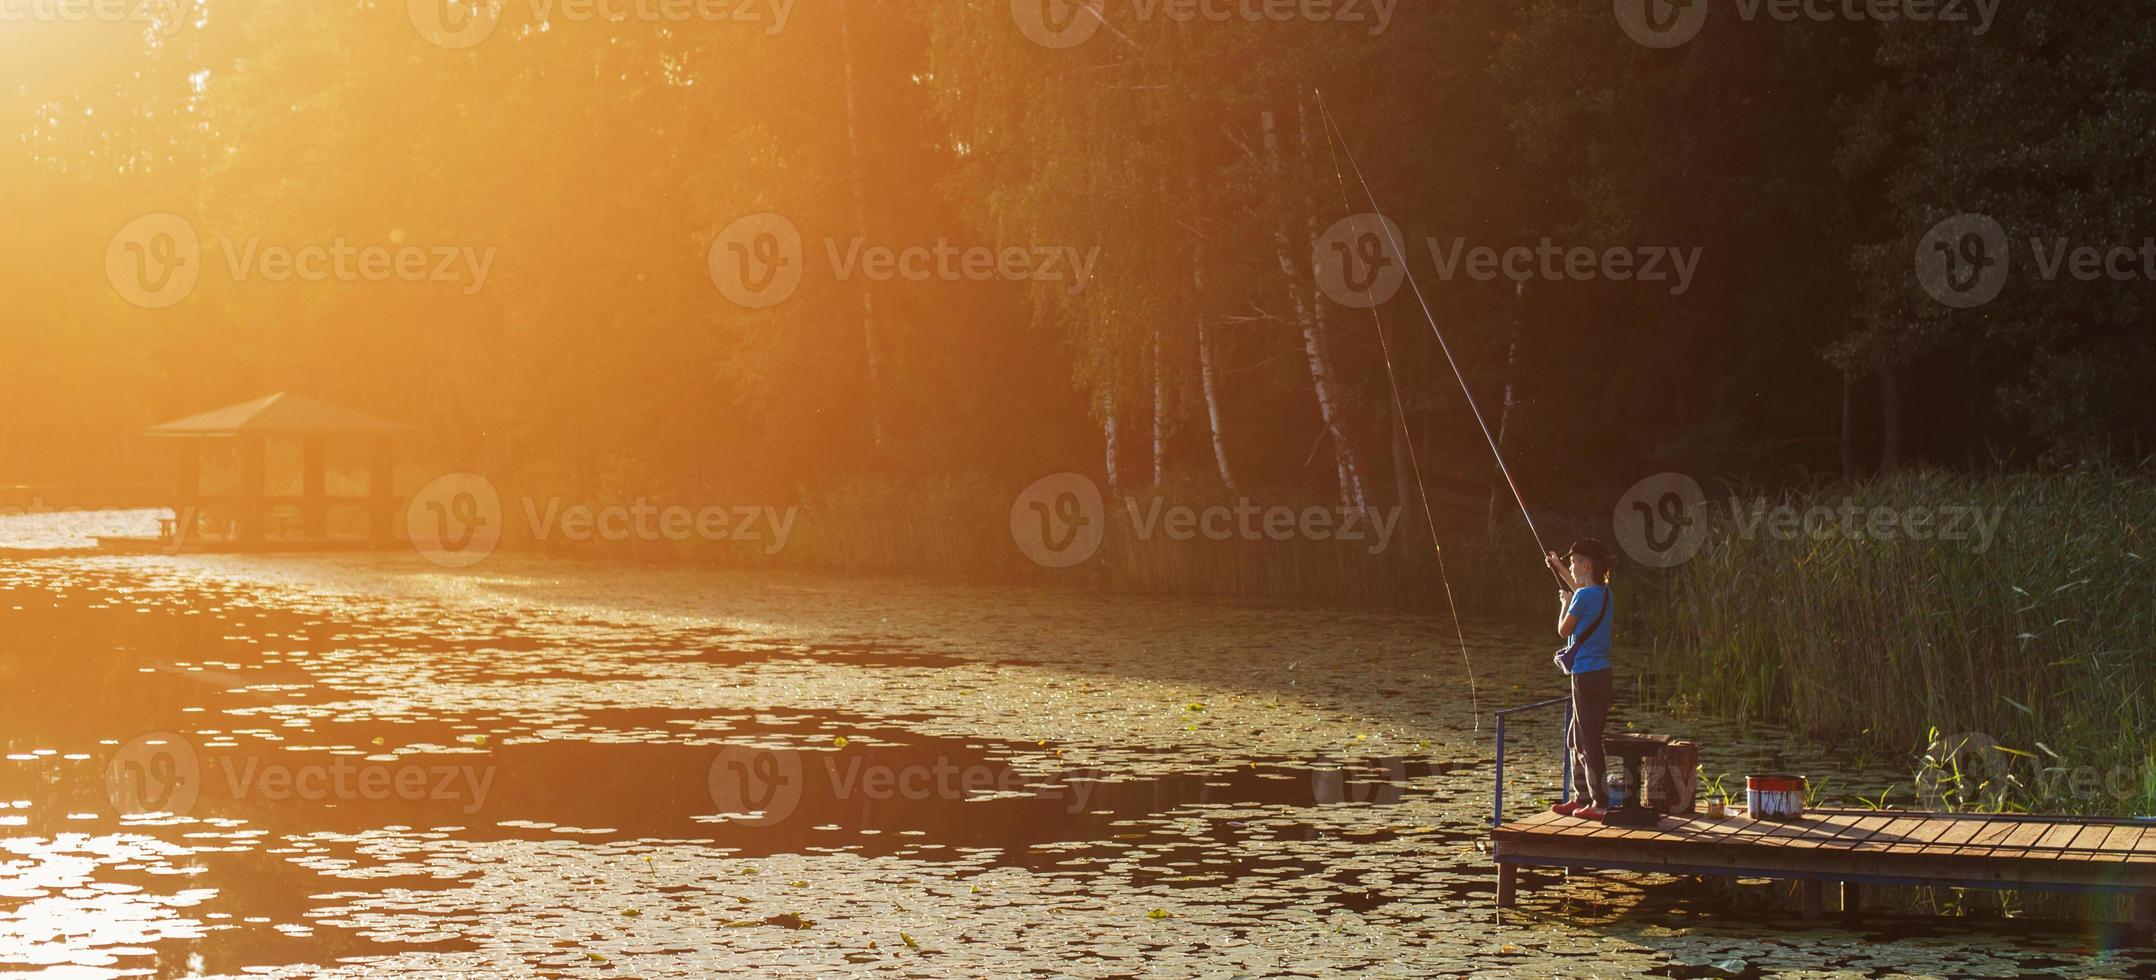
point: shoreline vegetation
(2023, 673)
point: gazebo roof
(280, 414)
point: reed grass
(2045, 641)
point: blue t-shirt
(1592, 652)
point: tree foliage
(597, 160)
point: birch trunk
(1107, 425)
(1206, 379)
(868, 301)
(1315, 348)
(1350, 461)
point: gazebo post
(381, 489)
(186, 489)
(253, 514)
(314, 503)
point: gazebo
(249, 427)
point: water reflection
(375, 767)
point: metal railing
(1497, 817)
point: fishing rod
(1400, 251)
(1414, 460)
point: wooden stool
(1633, 750)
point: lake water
(41, 529)
(367, 765)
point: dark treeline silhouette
(596, 163)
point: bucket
(1774, 796)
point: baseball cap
(1591, 549)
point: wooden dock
(1854, 847)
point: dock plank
(1785, 831)
(1993, 835)
(1754, 830)
(2143, 849)
(2096, 843)
(1712, 831)
(1824, 830)
(2021, 842)
(1665, 828)
(2055, 839)
(2109, 844)
(1956, 834)
(1866, 827)
(1899, 832)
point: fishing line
(1399, 411)
(1400, 252)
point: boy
(1584, 622)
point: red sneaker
(1594, 813)
(1566, 809)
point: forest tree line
(1202, 162)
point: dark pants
(1592, 693)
